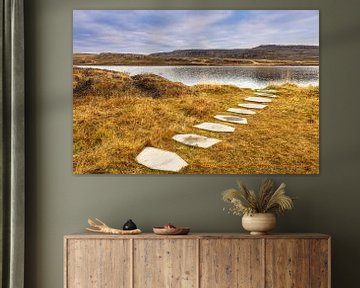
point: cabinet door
(98, 263)
(165, 263)
(320, 263)
(231, 263)
(287, 263)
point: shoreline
(203, 65)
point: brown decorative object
(197, 260)
(259, 223)
(101, 227)
(171, 231)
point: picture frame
(194, 98)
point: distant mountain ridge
(275, 52)
(261, 55)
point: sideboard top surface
(86, 235)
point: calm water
(242, 76)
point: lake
(242, 76)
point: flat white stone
(266, 94)
(267, 90)
(159, 159)
(258, 99)
(195, 140)
(215, 127)
(252, 105)
(231, 119)
(241, 111)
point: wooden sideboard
(197, 260)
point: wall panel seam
(263, 241)
(132, 262)
(198, 274)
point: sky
(148, 31)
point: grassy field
(115, 116)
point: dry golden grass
(110, 131)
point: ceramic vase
(259, 223)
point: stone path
(267, 91)
(258, 99)
(163, 160)
(159, 159)
(215, 127)
(195, 140)
(265, 94)
(241, 111)
(231, 119)
(252, 105)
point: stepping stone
(241, 111)
(159, 159)
(195, 140)
(215, 127)
(231, 119)
(267, 90)
(258, 99)
(266, 94)
(252, 105)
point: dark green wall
(59, 203)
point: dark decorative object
(100, 227)
(129, 225)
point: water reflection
(242, 76)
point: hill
(98, 82)
(273, 52)
(261, 55)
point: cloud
(147, 31)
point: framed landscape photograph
(196, 92)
